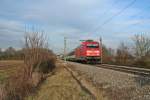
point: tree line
(136, 55)
(11, 54)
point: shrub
(143, 62)
(45, 62)
(46, 66)
(38, 60)
(22, 84)
(18, 86)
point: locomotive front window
(92, 45)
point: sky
(114, 20)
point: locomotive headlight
(96, 51)
(88, 54)
(88, 51)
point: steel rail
(137, 71)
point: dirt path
(86, 85)
(61, 86)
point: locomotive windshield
(92, 45)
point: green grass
(3, 77)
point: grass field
(8, 68)
(60, 86)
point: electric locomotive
(89, 52)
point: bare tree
(122, 55)
(38, 60)
(35, 44)
(0, 50)
(0, 53)
(10, 51)
(108, 54)
(142, 45)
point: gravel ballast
(115, 85)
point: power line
(121, 11)
(115, 2)
(139, 14)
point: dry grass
(60, 86)
(9, 68)
(23, 82)
(38, 61)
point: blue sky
(75, 19)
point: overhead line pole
(64, 48)
(101, 49)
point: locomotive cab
(92, 52)
(92, 49)
(89, 52)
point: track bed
(114, 84)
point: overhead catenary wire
(117, 14)
(114, 3)
(139, 14)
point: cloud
(11, 25)
(75, 19)
(11, 33)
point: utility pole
(101, 48)
(65, 49)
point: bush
(24, 81)
(143, 62)
(38, 60)
(46, 63)
(18, 86)
(46, 66)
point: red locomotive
(89, 52)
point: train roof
(89, 41)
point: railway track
(133, 70)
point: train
(89, 51)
